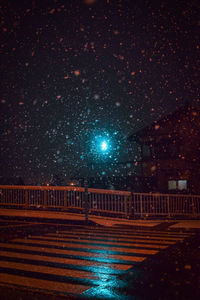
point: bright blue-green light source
(101, 146)
(104, 146)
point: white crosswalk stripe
(76, 260)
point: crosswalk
(84, 261)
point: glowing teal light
(104, 146)
(101, 145)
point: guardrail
(66, 198)
(122, 203)
(150, 204)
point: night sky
(74, 73)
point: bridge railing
(123, 203)
(99, 200)
(150, 204)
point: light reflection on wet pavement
(84, 261)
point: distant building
(170, 153)
(11, 181)
(102, 182)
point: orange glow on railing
(64, 188)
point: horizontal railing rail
(123, 203)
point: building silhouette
(170, 153)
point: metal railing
(66, 198)
(150, 204)
(122, 203)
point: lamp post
(86, 199)
(101, 147)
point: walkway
(104, 221)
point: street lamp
(100, 146)
(104, 146)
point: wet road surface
(80, 261)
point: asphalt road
(42, 259)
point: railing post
(193, 207)
(26, 198)
(86, 200)
(65, 200)
(141, 207)
(94, 203)
(133, 205)
(45, 199)
(168, 206)
(127, 206)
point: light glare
(104, 146)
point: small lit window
(172, 185)
(177, 185)
(182, 185)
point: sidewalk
(101, 220)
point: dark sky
(75, 70)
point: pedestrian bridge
(100, 201)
